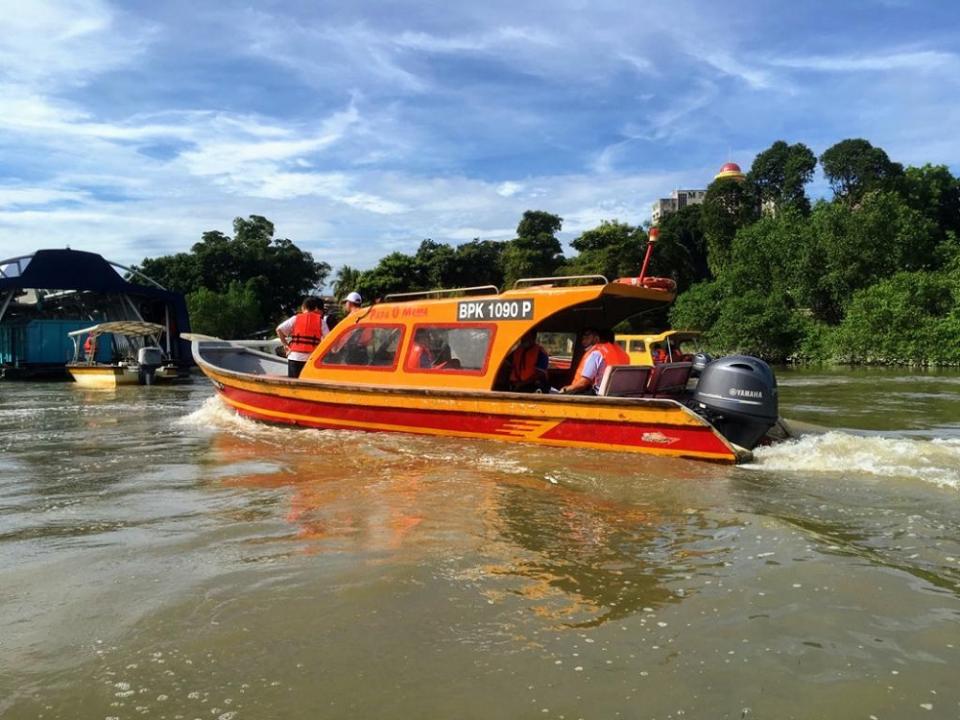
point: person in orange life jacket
(420, 353)
(90, 348)
(301, 333)
(596, 356)
(528, 366)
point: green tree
(275, 269)
(233, 313)
(699, 307)
(854, 167)
(347, 280)
(906, 318)
(728, 205)
(757, 323)
(771, 255)
(933, 191)
(780, 173)
(178, 272)
(681, 252)
(536, 251)
(478, 262)
(613, 249)
(437, 263)
(395, 273)
(852, 248)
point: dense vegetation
(870, 275)
(238, 286)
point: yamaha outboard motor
(149, 359)
(738, 394)
(700, 361)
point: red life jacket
(420, 357)
(611, 353)
(523, 364)
(307, 332)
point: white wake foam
(216, 414)
(936, 461)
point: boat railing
(526, 282)
(404, 297)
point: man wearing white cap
(352, 302)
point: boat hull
(649, 426)
(103, 376)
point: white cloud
(509, 188)
(64, 41)
(756, 79)
(18, 197)
(918, 60)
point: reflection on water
(163, 557)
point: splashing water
(936, 461)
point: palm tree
(346, 281)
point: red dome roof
(730, 171)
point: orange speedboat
(437, 363)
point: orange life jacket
(89, 344)
(523, 364)
(611, 353)
(420, 357)
(307, 332)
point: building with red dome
(681, 198)
(730, 171)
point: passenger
(351, 303)
(660, 355)
(90, 348)
(301, 333)
(420, 354)
(528, 366)
(597, 356)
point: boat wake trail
(214, 414)
(935, 461)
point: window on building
(449, 348)
(365, 345)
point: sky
(360, 128)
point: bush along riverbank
(869, 277)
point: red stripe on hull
(660, 437)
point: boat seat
(624, 380)
(669, 378)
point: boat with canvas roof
(120, 352)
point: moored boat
(117, 353)
(438, 363)
(667, 346)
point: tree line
(871, 274)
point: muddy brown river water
(162, 558)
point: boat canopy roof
(130, 328)
(477, 327)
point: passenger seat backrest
(624, 380)
(668, 378)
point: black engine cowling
(738, 394)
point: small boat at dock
(129, 354)
(369, 373)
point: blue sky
(360, 128)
